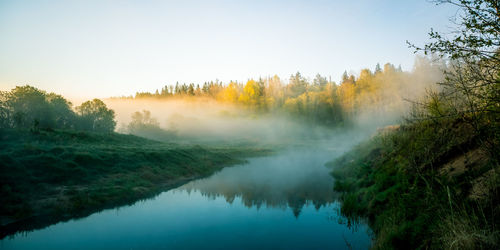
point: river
(283, 201)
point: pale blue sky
(110, 48)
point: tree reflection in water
(292, 180)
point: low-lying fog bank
(204, 120)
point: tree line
(319, 100)
(26, 107)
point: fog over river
(285, 200)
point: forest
(378, 97)
(319, 101)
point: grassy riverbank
(48, 176)
(424, 185)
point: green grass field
(48, 176)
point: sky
(87, 49)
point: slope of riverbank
(423, 185)
(48, 176)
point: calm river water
(284, 201)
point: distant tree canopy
(319, 100)
(144, 125)
(28, 107)
(142, 120)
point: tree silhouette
(95, 116)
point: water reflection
(292, 179)
(283, 201)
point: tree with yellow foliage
(230, 93)
(251, 95)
